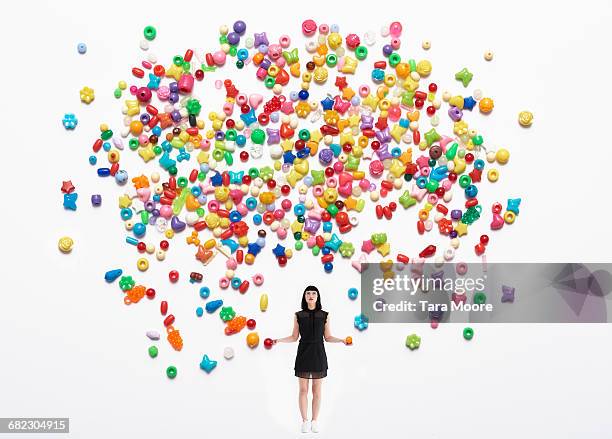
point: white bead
(448, 195)
(144, 44)
(374, 195)
(384, 31)
(150, 248)
(455, 243)
(160, 255)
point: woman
(311, 324)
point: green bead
(461, 153)
(465, 181)
(269, 81)
(331, 60)
(432, 185)
(153, 351)
(133, 144)
(223, 39)
(177, 60)
(406, 200)
(407, 177)
(316, 250)
(361, 52)
(150, 33)
(229, 158)
(299, 245)
(431, 163)
(117, 93)
(171, 372)
(240, 64)
(301, 219)
(144, 217)
(477, 140)
(186, 66)
(480, 298)
(266, 173)
(200, 212)
(172, 170)
(107, 134)
(201, 176)
(465, 76)
(157, 150)
(218, 154)
(413, 342)
(468, 333)
(193, 107)
(231, 135)
(408, 99)
(412, 65)
(304, 135)
(394, 59)
(253, 173)
(333, 210)
(452, 151)
(378, 238)
(182, 182)
(297, 236)
(233, 51)
(258, 136)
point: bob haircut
(305, 304)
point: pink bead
(147, 65)
(395, 29)
(242, 209)
(219, 57)
(133, 89)
(281, 233)
(163, 93)
(434, 324)
(241, 99)
(395, 43)
(275, 51)
(312, 241)
(231, 264)
(165, 211)
(228, 108)
(432, 198)
(324, 29)
(364, 184)
(185, 84)
(309, 27)
(331, 182)
(213, 206)
(284, 41)
(281, 62)
(364, 91)
(286, 204)
(395, 113)
(258, 279)
(218, 84)
(376, 168)
(205, 144)
(279, 214)
(447, 184)
(224, 282)
(338, 167)
(143, 139)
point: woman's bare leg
(303, 398)
(316, 398)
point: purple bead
(173, 98)
(155, 213)
(326, 156)
(273, 136)
(174, 88)
(177, 225)
(265, 64)
(311, 225)
(149, 206)
(384, 136)
(233, 38)
(152, 220)
(219, 135)
(240, 27)
(260, 39)
(202, 199)
(367, 122)
(453, 234)
(383, 152)
(176, 116)
(456, 214)
(96, 200)
(455, 114)
(145, 118)
(387, 50)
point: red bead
(383, 192)
(244, 286)
(163, 307)
(230, 123)
(452, 177)
(169, 320)
(479, 249)
(285, 189)
(160, 70)
(433, 87)
(139, 73)
(245, 109)
(442, 208)
(387, 212)
(271, 183)
(430, 250)
(419, 103)
(188, 55)
(497, 208)
(173, 276)
(440, 192)
(347, 148)
(402, 258)
(251, 323)
(150, 293)
(420, 95)
(431, 110)
(469, 157)
(326, 216)
(416, 137)
(329, 172)
(484, 239)
(244, 157)
(193, 175)
(247, 178)
(393, 206)
(263, 119)
(141, 246)
(299, 144)
(420, 227)
(268, 343)
(386, 184)
(375, 145)
(379, 211)
(282, 261)
(342, 218)
(199, 75)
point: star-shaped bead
(348, 93)
(468, 103)
(461, 228)
(327, 103)
(253, 248)
(70, 201)
(367, 246)
(217, 179)
(203, 255)
(278, 251)
(124, 201)
(341, 82)
(67, 187)
(288, 157)
(464, 76)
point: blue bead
(251, 203)
(103, 172)
(93, 160)
(204, 292)
(235, 216)
(327, 226)
(240, 140)
(471, 191)
(236, 283)
(353, 293)
(131, 240)
(299, 209)
(213, 306)
(121, 177)
(156, 130)
(139, 229)
(421, 182)
(479, 164)
(126, 214)
(326, 250)
(396, 152)
(242, 54)
(112, 275)
(257, 219)
(303, 95)
(199, 311)
(82, 48)
(106, 146)
(196, 191)
(328, 267)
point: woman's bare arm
(294, 335)
(327, 334)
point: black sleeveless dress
(311, 361)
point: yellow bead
(423, 68)
(122, 85)
(493, 175)
(65, 244)
(502, 156)
(525, 118)
(142, 264)
(169, 233)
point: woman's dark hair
(304, 304)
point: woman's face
(311, 297)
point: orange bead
(485, 105)
(258, 58)
(136, 127)
(402, 70)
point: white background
(70, 348)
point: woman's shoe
(314, 427)
(305, 428)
